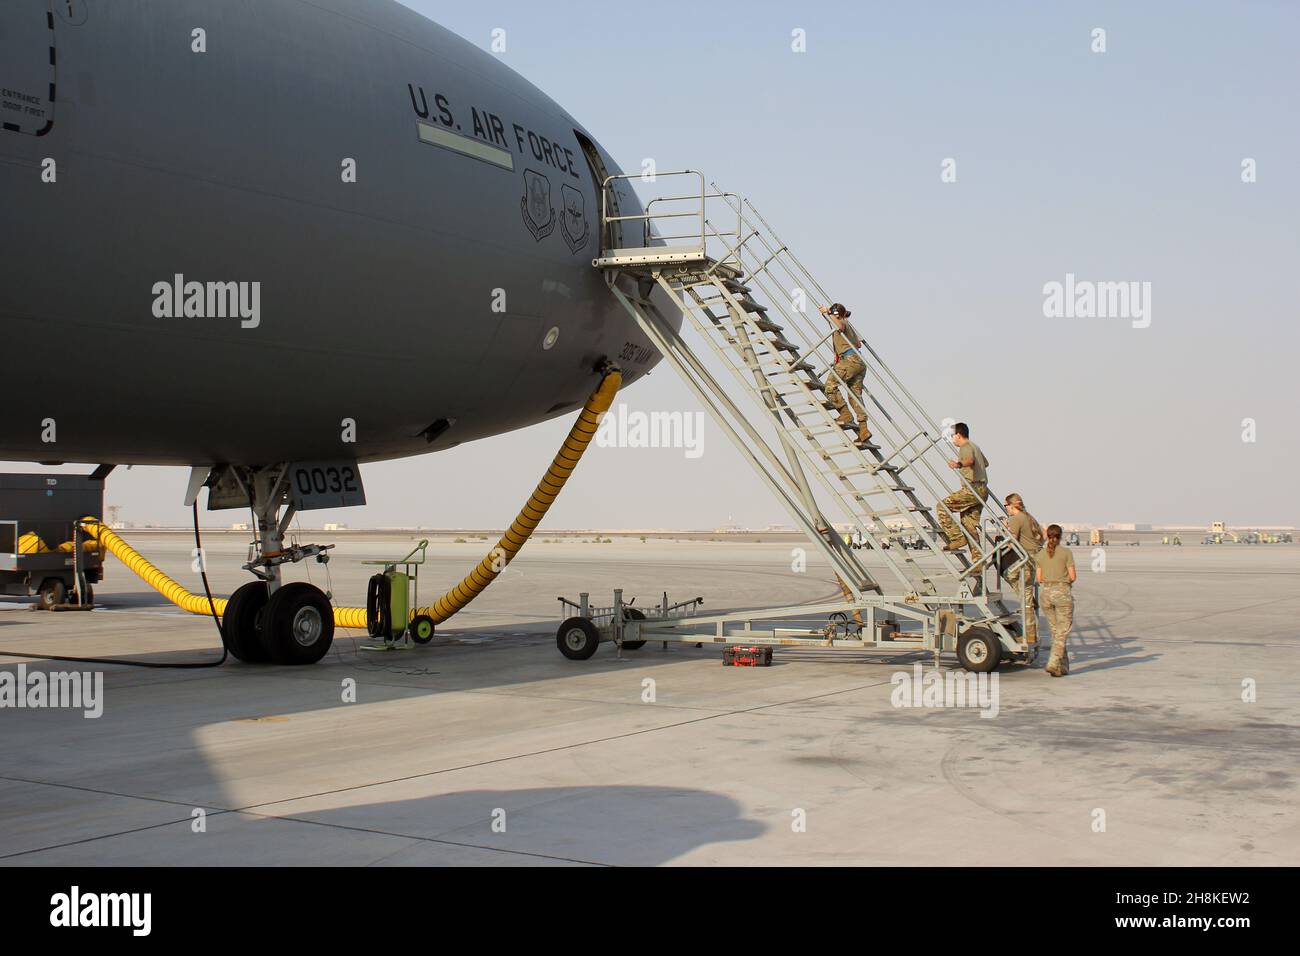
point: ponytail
(1053, 539)
(1015, 500)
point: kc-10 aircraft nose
(439, 230)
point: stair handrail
(912, 407)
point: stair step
(748, 305)
(894, 512)
(842, 449)
(799, 403)
(873, 469)
(852, 491)
(790, 386)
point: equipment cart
(42, 546)
(391, 596)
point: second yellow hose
(483, 574)
(534, 510)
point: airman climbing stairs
(751, 308)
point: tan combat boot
(1054, 662)
(864, 433)
(844, 417)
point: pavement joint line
(101, 792)
(217, 812)
(225, 811)
(1203, 571)
(590, 700)
(253, 808)
(1176, 640)
(537, 753)
(1152, 740)
(494, 692)
(109, 836)
(490, 692)
(422, 839)
(189, 676)
(1228, 610)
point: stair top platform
(689, 259)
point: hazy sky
(1123, 165)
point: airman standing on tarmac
(1025, 529)
(849, 371)
(1056, 577)
(968, 501)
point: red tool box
(734, 655)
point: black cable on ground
(156, 665)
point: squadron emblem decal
(539, 215)
(573, 221)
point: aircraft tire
(298, 625)
(240, 630)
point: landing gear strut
(266, 621)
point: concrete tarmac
(1173, 741)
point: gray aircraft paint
(226, 167)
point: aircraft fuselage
(230, 230)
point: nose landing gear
(266, 621)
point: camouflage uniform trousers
(1058, 607)
(970, 507)
(849, 371)
(1023, 582)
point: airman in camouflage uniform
(1029, 533)
(849, 370)
(1056, 577)
(968, 502)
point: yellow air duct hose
(534, 510)
(135, 561)
(548, 489)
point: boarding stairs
(754, 307)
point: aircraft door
(27, 63)
(611, 237)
